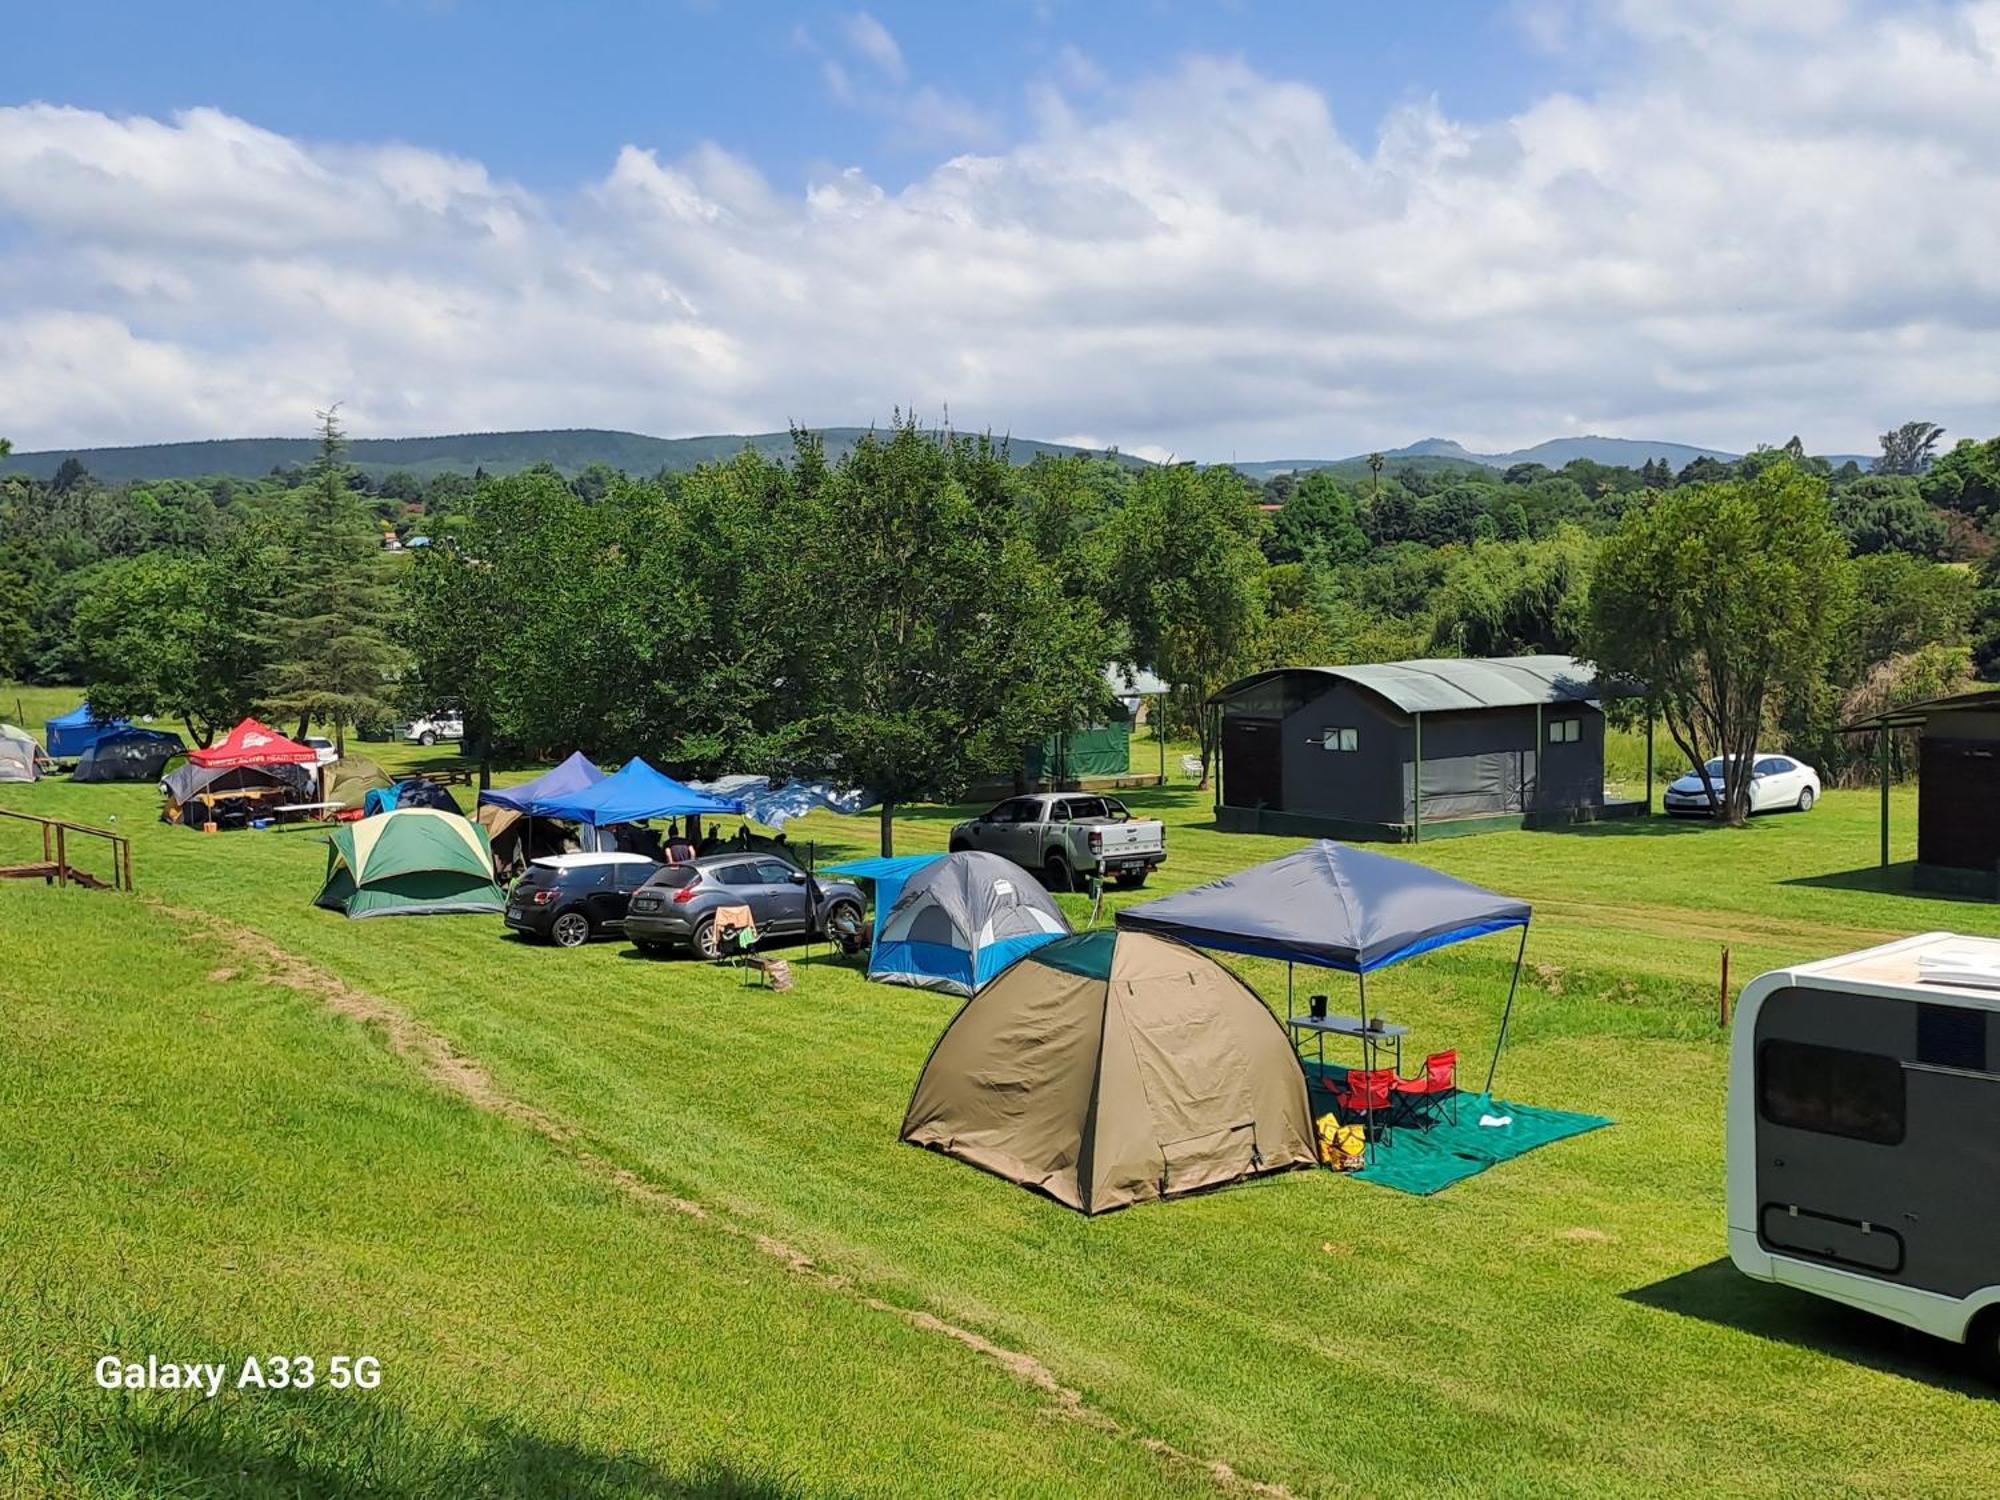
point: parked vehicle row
(568, 899)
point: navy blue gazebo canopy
(1331, 905)
(1338, 907)
(577, 774)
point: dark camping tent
(128, 754)
(73, 733)
(1111, 1068)
(192, 791)
(416, 792)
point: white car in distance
(1777, 783)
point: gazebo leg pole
(1882, 754)
(1507, 1014)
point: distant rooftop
(1448, 683)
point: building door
(1252, 763)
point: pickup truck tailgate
(1140, 836)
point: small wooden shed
(1958, 788)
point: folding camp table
(1371, 1034)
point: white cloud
(1746, 231)
(870, 39)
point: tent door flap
(1204, 1160)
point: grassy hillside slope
(1563, 1324)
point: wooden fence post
(1722, 997)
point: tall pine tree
(329, 625)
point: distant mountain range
(570, 449)
(574, 449)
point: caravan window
(1951, 1036)
(1564, 731)
(1831, 1090)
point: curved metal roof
(1457, 683)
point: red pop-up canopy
(253, 744)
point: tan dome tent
(349, 780)
(1112, 1068)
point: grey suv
(677, 905)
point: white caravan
(1864, 1134)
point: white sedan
(1777, 782)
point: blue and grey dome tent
(953, 922)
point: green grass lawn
(204, 1161)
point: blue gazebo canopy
(72, 733)
(577, 774)
(1332, 905)
(632, 794)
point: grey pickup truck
(1067, 837)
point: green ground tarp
(1429, 1159)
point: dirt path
(441, 1064)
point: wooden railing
(55, 866)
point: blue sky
(546, 94)
(1183, 227)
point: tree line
(913, 614)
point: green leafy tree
(176, 635)
(332, 655)
(1966, 480)
(1187, 577)
(1721, 599)
(1885, 513)
(1320, 523)
(941, 643)
(1907, 449)
(1514, 598)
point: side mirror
(798, 877)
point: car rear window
(673, 877)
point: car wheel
(570, 930)
(1057, 874)
(427, 739)
(1806, 799)
(1982, 1341)
(839, 914)
(702, 939)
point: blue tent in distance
(577, 774)
(1331, 905)
(69, 735)
(632, 794)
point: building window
(1565, 731)
(1831, 1090)
(1340, 739)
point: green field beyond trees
(623, 1227)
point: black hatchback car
(568, 899)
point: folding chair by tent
(735, 935)
(1430, 1095)
(1370, 1097)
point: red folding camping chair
(1369, 1095)
(1428, 1095)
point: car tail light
(686, 893)
(544, 897)
(1096, 841)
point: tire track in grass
(451, 1070)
